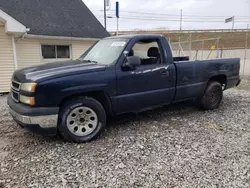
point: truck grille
(15, 88)
(16, 85)
(15, 95)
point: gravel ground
(175, 146)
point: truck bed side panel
(192, 77)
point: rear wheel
(81, 119)
(212, 96)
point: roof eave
(12, 26)
(59, 37)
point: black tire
(212, 96)
(70, 105)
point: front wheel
(212, 96)
(81, 119)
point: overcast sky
(151, 14)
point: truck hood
(56, 69)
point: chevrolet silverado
(116, 75)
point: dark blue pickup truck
(116, 75)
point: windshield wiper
(90, 61)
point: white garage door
(6, 61)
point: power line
(177, 17)
(174, 20)
(177, 20)
(150, 13)
(187, 15)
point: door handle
(164, 73)
(184, 79)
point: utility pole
(190, 45)
(117, 16)
(117, 26)
(233, 23)
(245, 54)
(181, 20)
(180, 33)
(105, 21)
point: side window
(55, 51)
(148, 51)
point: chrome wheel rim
(82, 121)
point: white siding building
(52, 33)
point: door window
(148, 51)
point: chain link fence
(210, 49)
(197, 49)
(243, 54)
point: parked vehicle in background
(116, 75)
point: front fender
(52, 92)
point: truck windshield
(105, 51)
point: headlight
(27, 100)
(30, 87)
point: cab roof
(139, 36)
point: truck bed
(192, 76)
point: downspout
(14, 52)
(14, 48)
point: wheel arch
(221, 78)
(100, 96)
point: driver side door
(146, 86)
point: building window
(55, 51)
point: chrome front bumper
(45, 121)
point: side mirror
(125, 53)
(131, 63)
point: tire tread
(67, 105)
(203, 101)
